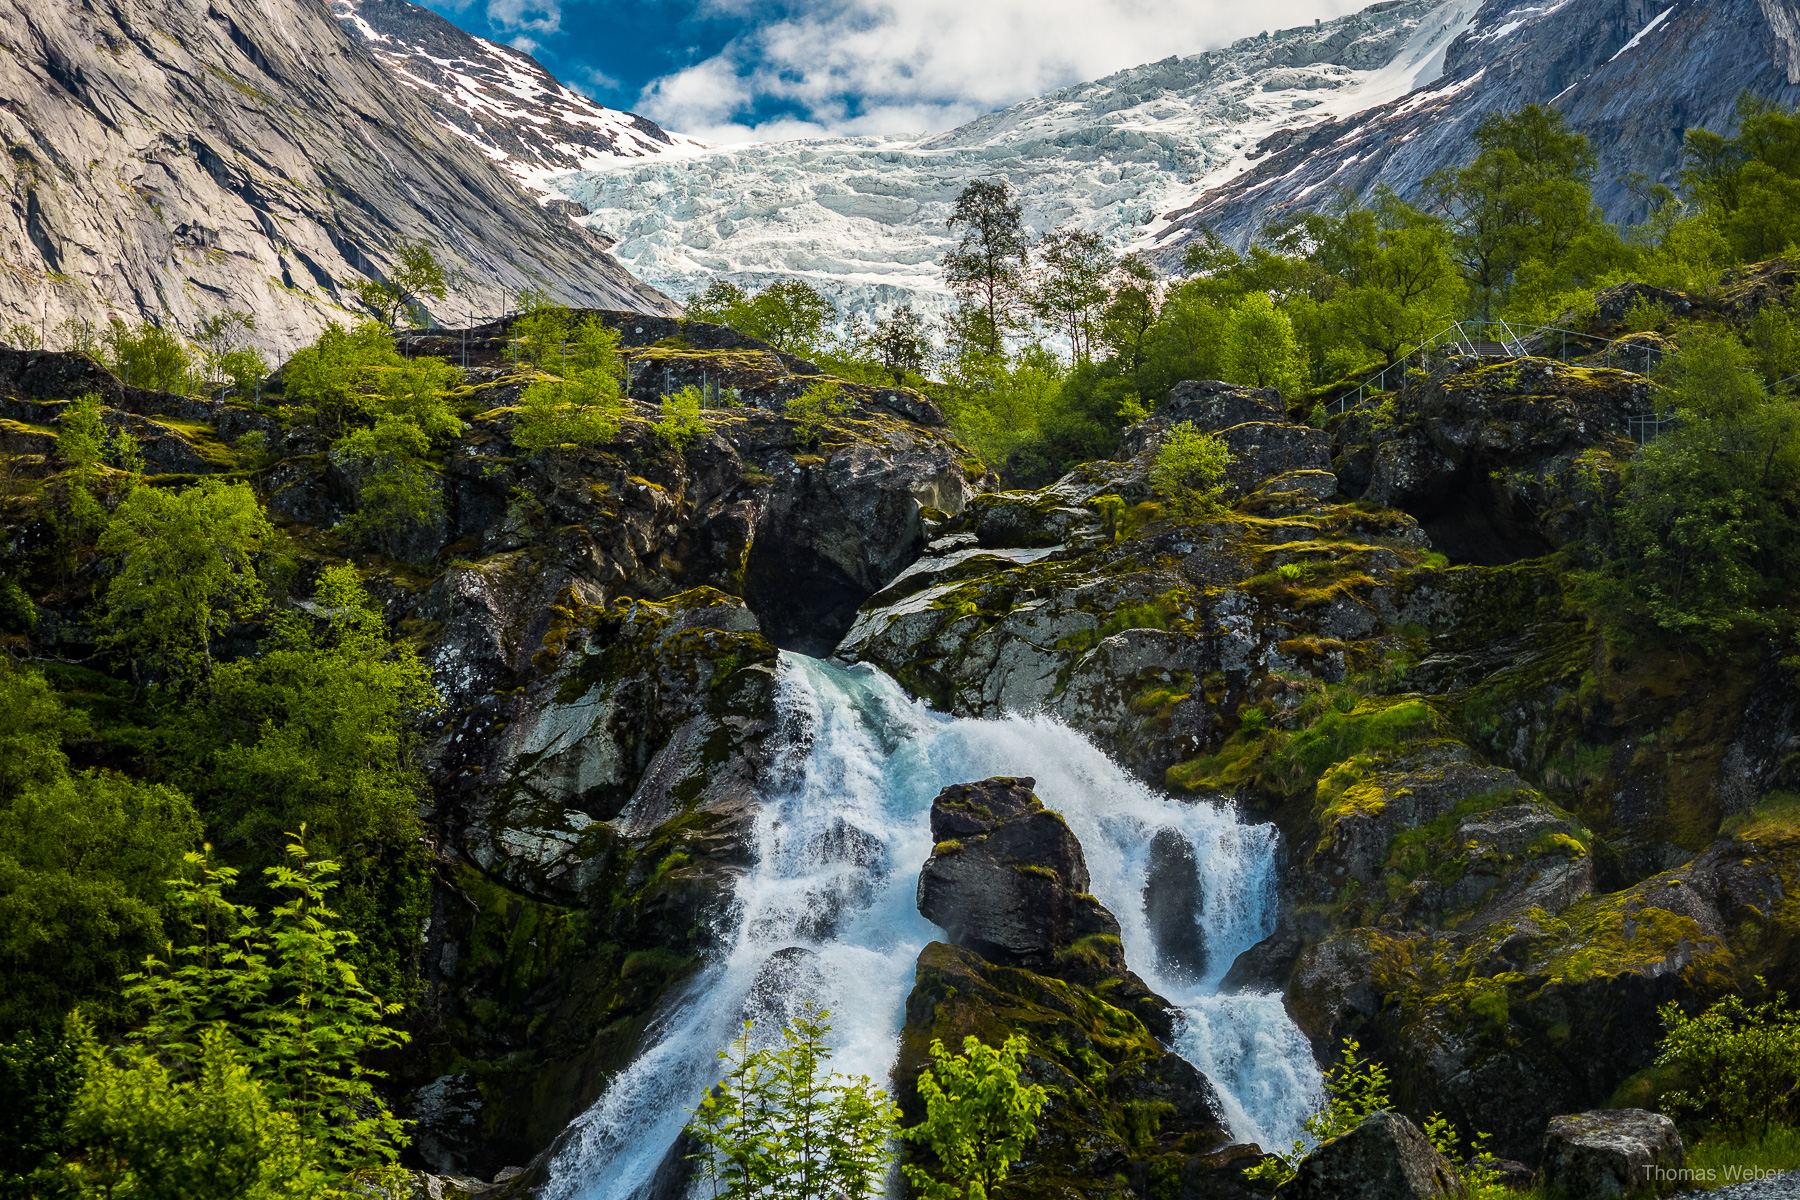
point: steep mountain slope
(863, 218)
(168, 161)
(1630, 74)
(502, 100)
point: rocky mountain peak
(501, 99)
(169, 162)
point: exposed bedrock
(1035, 955)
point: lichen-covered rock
(1611, 1152)
(1383, 1158)
(1007, 879)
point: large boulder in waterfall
(1172, 904)
(1007, 879)
(1611, 1152)
(1384, 1158)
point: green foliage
(1069, 286)
(1742, 1061)
(1750, 184)
(188, 567)
(39, 1075)
(813, 411)
(902, 343)
(282, 991)
(979, 1117)
(1190, 470)
(1774, 340)
(789, 314)
(1395, 283)
(1356, 1088)
(1703, 526)
(682, 423)
(999, 403)
(396, 493)
(414, 279)
(540, 331)
(81, 443)
(987, 269)
(317, 729)
(780, 1127)
(148, 356)
(210, 1131)
(224, 354)
(1131, 310)
(583, 410)
(330, 379)
(1260, 350)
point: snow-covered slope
(863, 218)
(520, 116)
(1630, 74)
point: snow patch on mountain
(863, 219)
(502, 100)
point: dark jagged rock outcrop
(1496, 459)
(1007, 879)
(172, 162)
(1037, 956)
(1384, 1158)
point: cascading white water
(827, 914)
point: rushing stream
(827, 914)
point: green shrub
(1190, 471)
(813, 411)
(681, 425)
(1742, 1061)
(979, 1118)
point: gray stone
(1611, 1152)
(1384, 1158)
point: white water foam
(827, 914)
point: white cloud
(535, 16)
(524, 45)
(875, 66)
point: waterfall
(827, 914)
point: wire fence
(1500, 339)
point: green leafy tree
(722, 303)
(987, 269)
(330, 379)
(318, 729)
(1356, 1088)
(790, 315)
(397, 492)
(1189, 471)
(414, 279)
(188, 567)
(1396, 282)
(1260, 347)
(148, 356)
(417, 391)
(780, 1126)
(901, 341)
(1069, 285)
(1750, 184)
(979, 1118)
(81, 442)
(683, 422)
(39, 1076)
(584, 406)
(812, 412)
(1742, 1061)
(999, 403)
(1526, 196)
(1131, 310)
(541, 330)
(224, 352)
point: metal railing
(1496, 339)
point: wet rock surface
(1035, 955)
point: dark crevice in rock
(1469, 524)
(804, 603)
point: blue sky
(741, 70)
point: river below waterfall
(827, 914)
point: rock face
(1035, 955)
(1611, 1152)
(500, 98)
(172, 162)
(1383, 1158)
(1630, 75)
(1006, 878)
